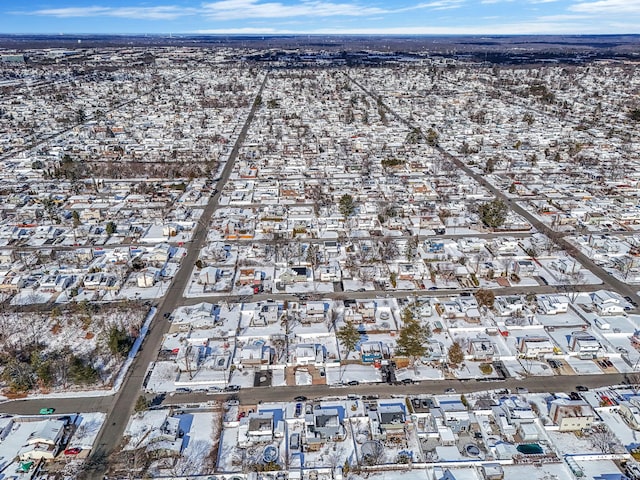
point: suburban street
(252, 396)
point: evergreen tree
(493, 213)
(413, 337)
(349, 336)
(455, 354)
(346, 205)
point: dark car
(232, 388)
(353, 383)
(300, 398)
(582, 388)
(407, 381)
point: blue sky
(475, 17)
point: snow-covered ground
(87, 428)
(353, 372)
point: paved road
(61, 405)
(252, 396)
(443, 292)
(124, 401)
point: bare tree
(184, 465)
(603, 439)
(375, 454)
(336, 457)
(571, 281)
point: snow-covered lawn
(420, 372)
(514, 367)
(242, 378)
(163, 377)
(201, 432)
(537, 368)
(627, 436)
(355, 372)
(583, 367)
(87, 427)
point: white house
(608, 303)
(43, 440)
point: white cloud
(439, 5)
(241, 9)
(607, 7)
(148, 13)
(242, 31)
(561, 17)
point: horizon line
(316, 34)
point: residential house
(553, 304)
(585, 344)
(260, 427)
(255, 354)
(325, 423)
(481, 349)
(629, 410)
(44, 440)
(571, 415)
(313, 312)
(524, 268)
(608, 303)
(309, 354)
(533, 346)
(390, 421)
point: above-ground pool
(270, 454)
(530, 449)
(472, 450)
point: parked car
(232, 388)
(450, 390)
(407, 381)
(47, 411)
(582, 388)
(353, 383)
(294, 443)
(73, 451)
(300, 398)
